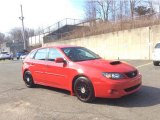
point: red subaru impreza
(80, 71)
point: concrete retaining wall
(128, 44)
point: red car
(80, 71)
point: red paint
(61, 74)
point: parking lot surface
(17, 102)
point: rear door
(39, 65)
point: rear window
(157, 45)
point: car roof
(62, 46)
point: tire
(155, 63)
(84, 90)
(28, 79)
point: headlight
(113, 75)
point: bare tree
(158, 6)
(123, 9)
(16, 34)
(98, 9)
(126, 8)
(90, 10)
(151, 7)
(39, 31)
(103, 8)
(132, 7)
(7, 38)
(121, 5)
(113, 9)
(2, 38)
(29, 33)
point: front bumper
(117, 88)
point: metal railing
(97, 26)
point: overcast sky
(38, 13)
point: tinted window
(79, 54)
(53, 54)
(157, 45)
(41, 54)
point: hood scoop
(115, 62)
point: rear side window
(41, 54)
(157, 45)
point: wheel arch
(25, 71)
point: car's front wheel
(84, 90)
(28, 79)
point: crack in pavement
(12, 89)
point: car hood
(108, 65)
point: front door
(57, 73)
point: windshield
(157, 45)
(79, 54)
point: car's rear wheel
(28, 79)
(84, 90)
(155, 63)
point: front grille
(132, 74)
(132, 88)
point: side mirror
(59, 60)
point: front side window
(157, 45)
(41, 54)
(53, 54)
(79, 54)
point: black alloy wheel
(28, 79)
(83, 89)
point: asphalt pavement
(17, 102)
